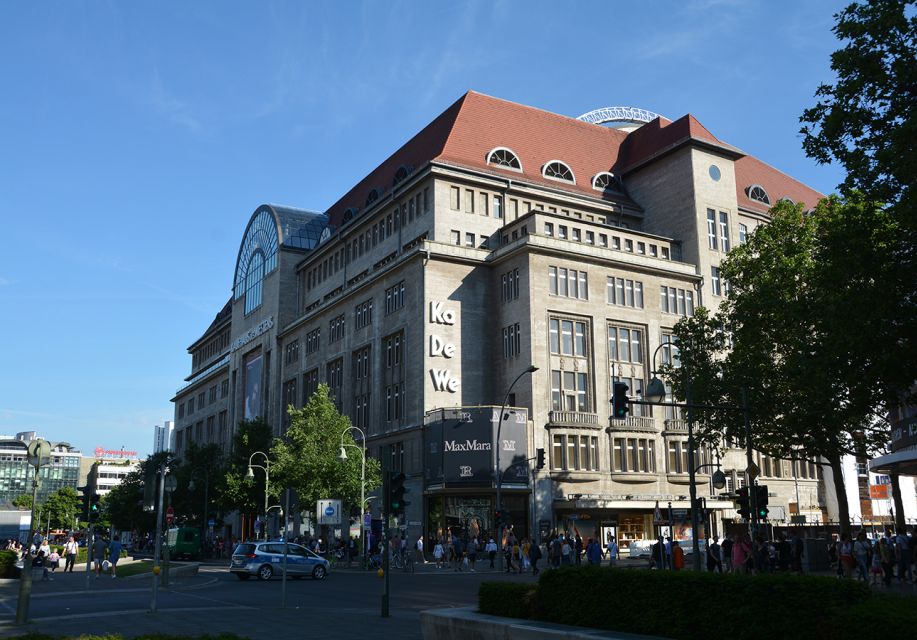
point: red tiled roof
(751, 171)
(476, 123)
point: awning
(904, 462)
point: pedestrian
(578, 548)
(903, 556)
(726, 554)
(611, 550)
(887, 555)
(742, 560)
(508, 554)
(594, 553)
(534, 557)
(99, 547)
(668, 553)
(797, 548)
(783, 553)
(566, 553)
(472, 554)
(491, 549)
(524, 556)
(714, 562)
(556, 551)
(875, 567)
(861, 551)
(71, 548)
(41, 562)
(438, 553)
(114, 554)
(678, 557)
(418, 546)
(53, 560)
(845, 556)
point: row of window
(505, 158)
(211, 348)
(677, 301)
(401, 215)
(572, 452)
(455, 237)
(512, 341)
(718, 230)
(588, 236)
(196, 434)
(509, 285)
(623, 292)
(484, 203)
(568, 283)
(204, 398)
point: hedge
(8, 564)
(688, 605)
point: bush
(509, 599)
(703, 605)
(8, 564)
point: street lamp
(250, 475)
(655, 393)
(343, 457)
(497, 474)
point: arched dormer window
(401, 174)
(787, 199)
(350, 213)
(372, 197)
(504, 158)
(557, 170)
(757, 192)
(605, 180)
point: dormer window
(350, 214)
(504, 158)
(557, 170)
(787, 199)
(372, 197)
(604, 180)
(401, 174)
(757, 192)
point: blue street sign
(367, 520)
(329, 510)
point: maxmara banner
(459, 446)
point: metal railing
(573, 418)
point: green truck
(184, 542)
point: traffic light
(744, 506)
(761, 501)
(619, 401)
(149, 489)
(82, 503)
(95, 507)
(502, 518)
(396, 491)
(539, 457)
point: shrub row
(688, 605)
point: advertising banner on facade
(459, 447)
(253, 367)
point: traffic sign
(211, 522)
(367, 520)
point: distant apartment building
(16, 473)
(163, 436)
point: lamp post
(342, 457)
(497, 475)
(250, 475)
(655, 393)
(39, 454)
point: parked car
(264, 559)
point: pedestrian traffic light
(396, 491)
(744, 506)
(619, 401)
(95, 507)
(761, 501)
(82, 503)
(539, 457)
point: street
(347, 602)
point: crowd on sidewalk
(46, 557)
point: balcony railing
(676, 425)
(575, 418)
(630, 423)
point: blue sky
(136, 139)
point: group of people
(47, 556)
(886, 558)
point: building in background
(107, 468)
(163, 437)
(499, 237)
(16, 472)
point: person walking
(99, 547)
(845, 556)
(491, 549)
(566, 553)
(726, 554)
(742, 556)
(887, 554)
(418, 546)
(611, 550)
(438, 553)
(797, 549)
(861, 551)
(678, 557)
(714, 562)
(903, 557)
(472, 553)
(114, 554)
(71, 548)
(534, 557)
(594, 553)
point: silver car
(264, 559)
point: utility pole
(751, 470)
(163, 470)
(386, 514)
(39, 452)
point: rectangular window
(361, 364)
(212, 394)
(724, 230)
(590, 237)
(711, 228)
(674, 457)
(512, 340)
(549, 229)
(469, 239)
(743, 233)
(568, 283)
(394, 298)
(426, 200)
(498, 207)
(562, 232)
(715, 281)
(641, 248)
(361, 409)
(603, 240)
(624, 292)
(363, 314)
(309, 385)
(569, 391)
(334, 378)
(469, 201)
(291, 353)
(676, 301)
(454, 198)
(392, 346)
(557, 453)
(312, 341)
(455, 237)
(181, 410)
(510, 285)
(336, 329)
(483, 209)
(567, 337)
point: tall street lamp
(497, 475)
(342, 457)
(250, 475)
(655, 393)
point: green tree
(236, 492)
(123, 505)
(306, 459)
(22, 501)
(61, 508)
(201, 471)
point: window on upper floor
(504, 158)
(743, 233)
(625, 292)
(568, 283)
(604, 180)
(570, 391)
(757, 192)
(634, 455)
(401, 174)
(557, 170)
(372, 197)
(568, 337)
(711, 229)
(677, 301)
(724, 230)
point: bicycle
(375, 562)
(408, 562)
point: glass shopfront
(470, 516)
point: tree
(306, 458)
(237, 492)
(807, 332)
(867, 119)
(123, 505)
(61, 508)
(22, 501)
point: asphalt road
(342, 605)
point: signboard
(329, 512)
(367, 520)
(904, 434)
(102, 452)
(879, 491)
(459, 447)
